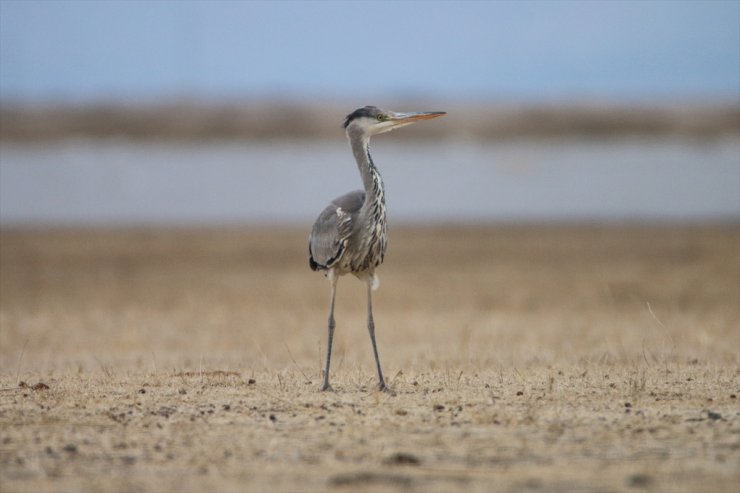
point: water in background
(120, 182)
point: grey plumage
(350, 235)
(333, 230)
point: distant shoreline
(186, 120)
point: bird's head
(371, 120)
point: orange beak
(406, 118)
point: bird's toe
(382, 387)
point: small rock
(439, 407)
(519, 392)
(627, 404)
(733, 396)
(639, 480)
(71, 448)
(182, 391)
(273, 418)
(402, 459)
(251, 381)
(40, 386)
(713, 416)
(401, 412)
(142, 391)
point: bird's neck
(371, 179)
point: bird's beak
(399, 119)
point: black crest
(367, 111)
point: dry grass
(521, 358)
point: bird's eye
(380, 118)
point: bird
(350, 236)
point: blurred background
(201, 113)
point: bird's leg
(371, 330)
(332, 324)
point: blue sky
(65, 50)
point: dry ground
(522, 359)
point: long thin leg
(333, 278)
(371, 329)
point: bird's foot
(382, 387)
(326, 387)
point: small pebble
(639, 480)
(402, 459)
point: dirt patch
(521, 359)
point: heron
(350, 236)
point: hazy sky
(542, 50)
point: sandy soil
(521, 359)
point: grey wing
(331, 231)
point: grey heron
(350, 235)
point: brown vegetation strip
(260, 120)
